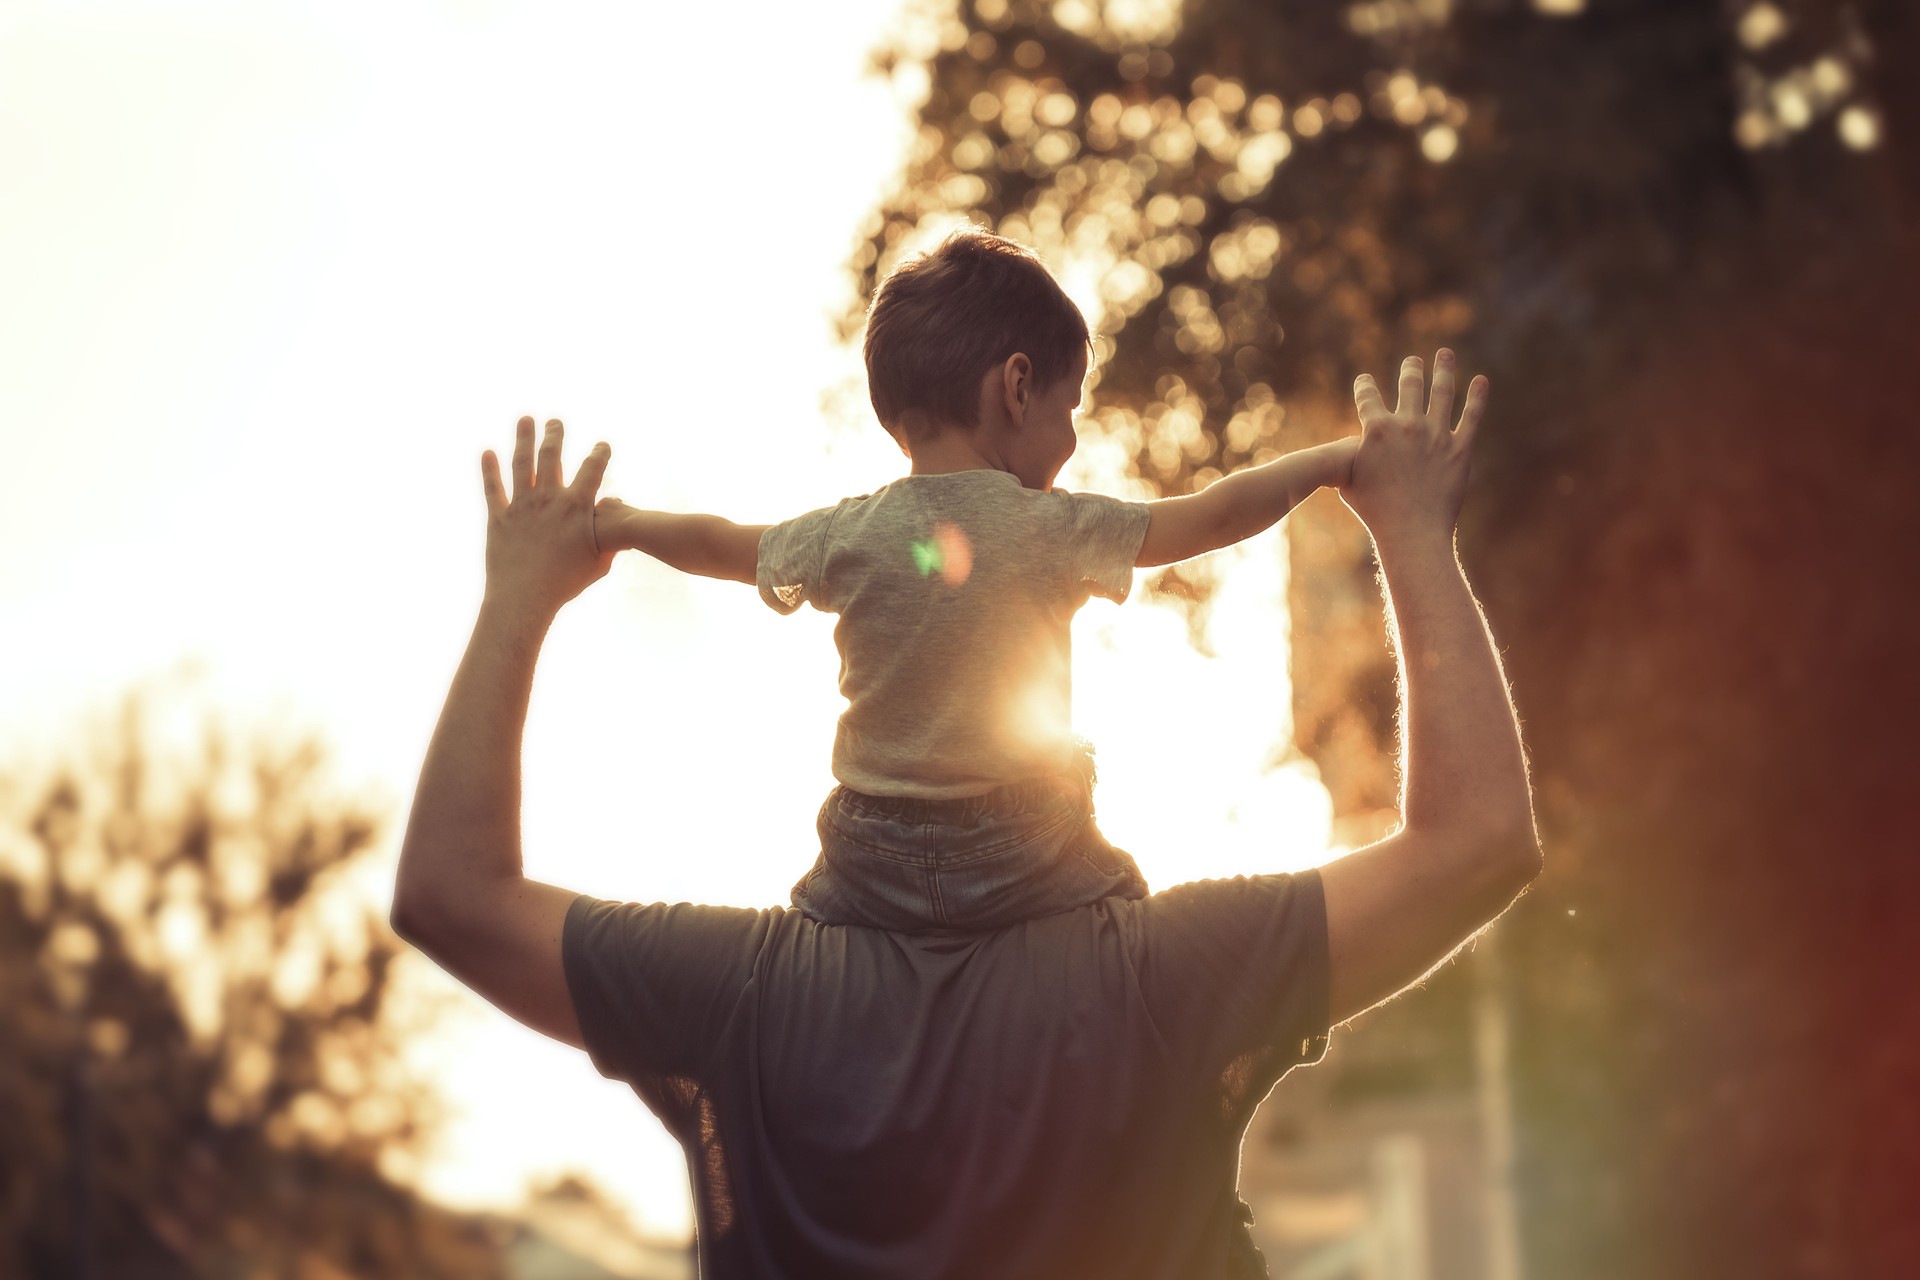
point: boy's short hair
(944, 318)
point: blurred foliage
(1681, 237)
(200, 1067)
(1268, 198)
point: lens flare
(947, 552)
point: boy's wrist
(1334, 460)
(612, 525)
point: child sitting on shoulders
(964, 801)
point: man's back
(1065, 1097)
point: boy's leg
(982, 863)
(1030, 850)
(1057, 870)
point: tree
(200, 1070)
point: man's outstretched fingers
(1440, 408)
(522, 456)
(1477, 392)
(593, 468)
(1367, 399)
(1413, 385)
(550, 456)
(490, 482)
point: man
(1064, 1097)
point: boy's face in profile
(1046, 439)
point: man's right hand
(1410, 473)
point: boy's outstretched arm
(706, 545)
(1245, 503)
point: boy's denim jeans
(973, 864)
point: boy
(964, 801)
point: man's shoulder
(1231, 893)
(1209, 962)
(597, 928)
(1203, 924)
(1193, 902)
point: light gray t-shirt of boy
(955, 594)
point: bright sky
(273, 274)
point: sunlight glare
(1206, 784)
(288, 269)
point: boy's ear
(1016, 385)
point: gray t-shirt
(955, 594)
(1064, 1097)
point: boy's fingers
(1440, 408)
(549, 473)
(1477, 392)
(586, 481)
(1412, 384)
(522, 456)
(1366, 398)
(608, 516)
(490, 482)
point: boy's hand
(612, 528)
(540, 543)
(1339, 456)
(1410, 471)
(692, 543)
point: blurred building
(1388, 1159)
(568, 1232)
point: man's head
(979, 319)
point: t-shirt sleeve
(655, 986)
(793, 559)
(1236, 975)
(1103, 539)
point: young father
(1062, 1098)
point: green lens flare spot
(926, 557)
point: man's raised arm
(1467, 845)
(460, 896)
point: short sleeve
(1235, 973)
(654, 987)
(793, 556)
(1103, 540)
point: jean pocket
(851, 836)
(1116, 864)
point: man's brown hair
(942, 319)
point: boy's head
(944, 319)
